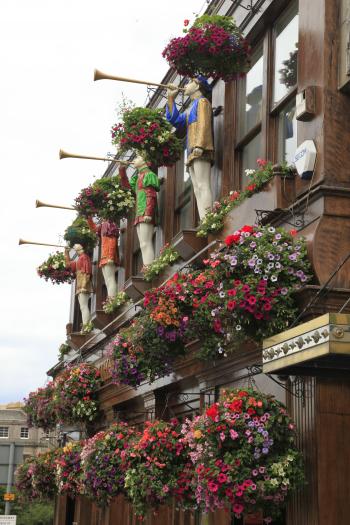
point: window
(286, 53)
(287, 133)
(184, 199)
(285, 82)
(250, 152)
(250, 96)
(4, 432)
(24, 433)
(266, 124)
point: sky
(48, 100)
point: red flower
(236, 406)
(232, 239)
(251, 187)
(231, 305)
(261, 163)
(234, 196)
(247, 228)
(186, 22)
(293, 232)
(212, 412)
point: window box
(135, 287)
(101, 319)
(77, 340)
(187, 244)
(276, 196)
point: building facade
(17, 441)
(300, 57)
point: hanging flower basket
(79, 232)
(54, 269)
(75, 395)
(69, 474)
(146, 131)
(244, 454)
(156, 463)
(40, 409)
(104, 461)
(139, 353)
(106, 199)
(248, 289)
(213, 47)
(35, 478)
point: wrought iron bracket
(300, 387)
(250, 7)
(184, 397)
(297, 220)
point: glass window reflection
(251, 94)
(286, 54)
(251, 152)
(287, 130)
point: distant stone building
(17, 441)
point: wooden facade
(319, 208)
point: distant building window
(4, 432)
(24, 433)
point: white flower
(249, 172)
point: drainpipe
(10, 477)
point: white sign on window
(8, 520)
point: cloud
(49, 101)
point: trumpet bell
(99, 75)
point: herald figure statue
(83, 288)
(108, 232)
(145, 185)
(199, 144)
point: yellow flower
(197, 434)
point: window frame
(4, 428)
(270, 111)
(27, 432)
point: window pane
(251, 152)
(4, 432)
(183, 197)
(251, 94)
(286, 54)
(24, 432)
(287, 133)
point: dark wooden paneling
(311, 73)
(218, 99)
(228, 139)
(303, 508)
(333, 430)
(337, 105)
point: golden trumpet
(40, 204)
(99, 75)
(22, 241)
(64, 155)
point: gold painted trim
(317, 323)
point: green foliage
(29, 514)
(111, 305)
(79, 232)
(213, 220)
(63, 350)
(226, 22)
(167, 257)
(146, 131)
(36, 514)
